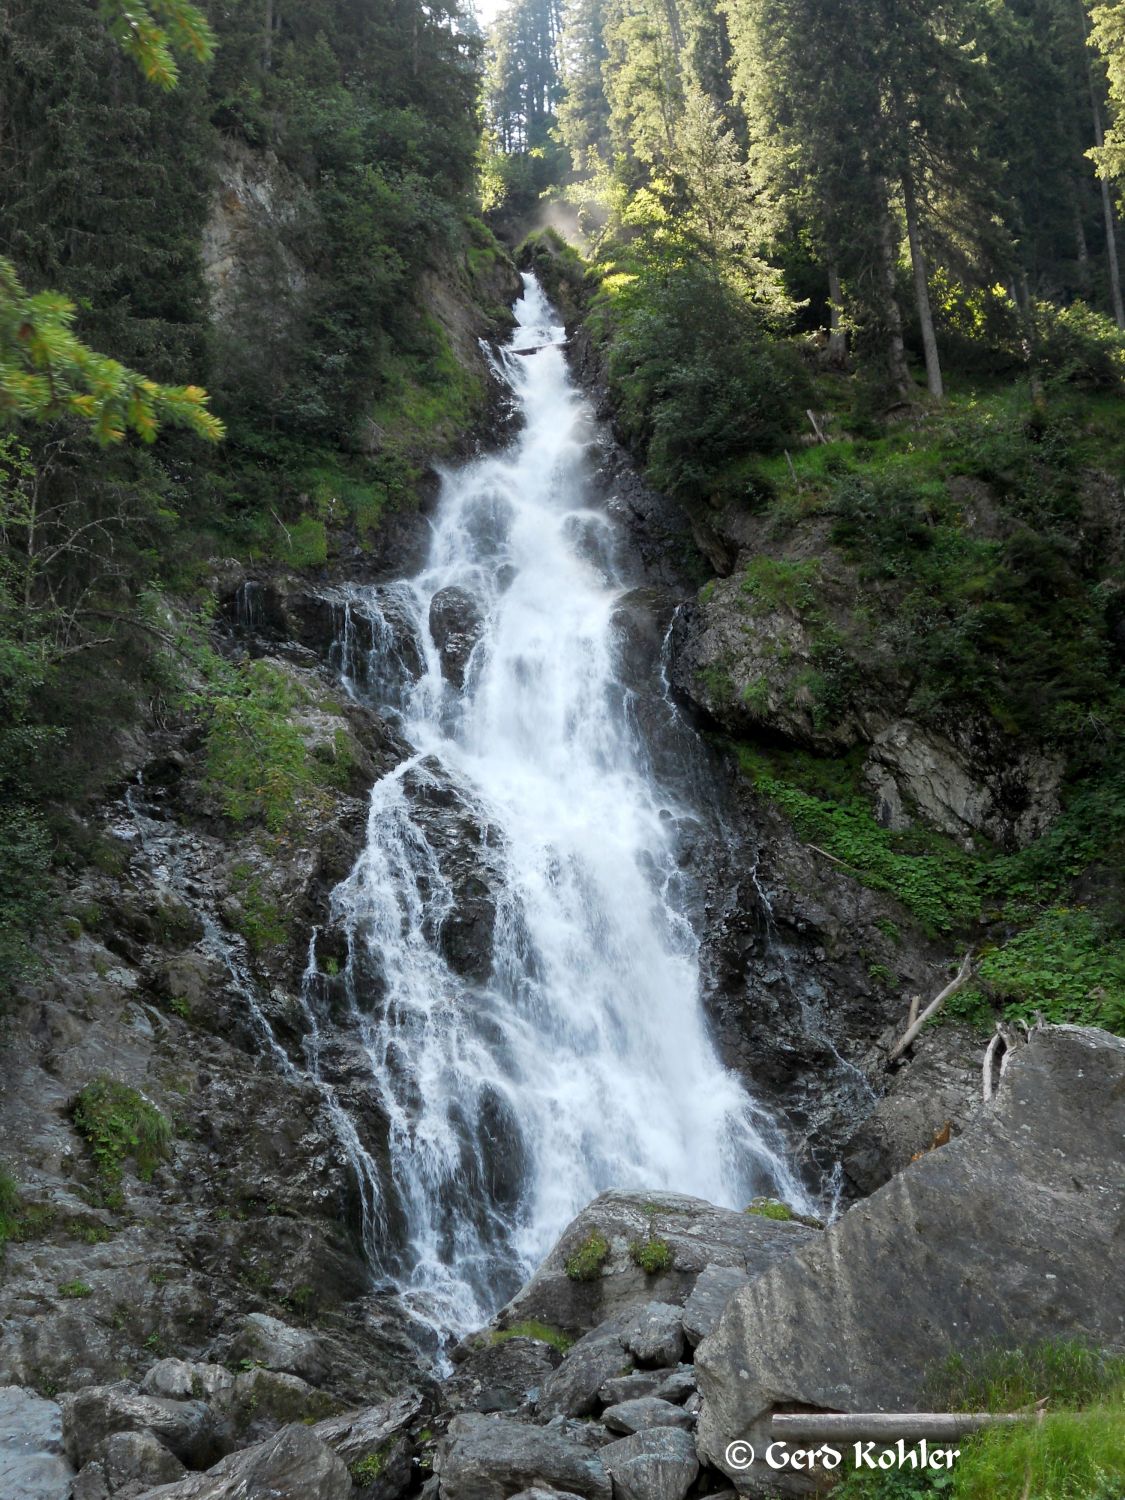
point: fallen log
(964, 974)
(819, 1426)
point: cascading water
(578, 1057)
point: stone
(631, 1387)
(709, 1297)
(540, 1494)
(130, 1464)
(490, 1458)
(655, 1336)
(697, 1233)
(33, 1464)
(380, 1433)
(502, 1376)
(456, 624)
(678, 1385)
(293, 1463)
(1002, 1237)
(643, 1413)
(572, 1389)
(270, 1342)
(89, 1417)
(657, 1465)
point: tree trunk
(837, 338)
(922, 289)
(1082, 249)
(267, 38)
(1107, 196)
(892, 317)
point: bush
(652, 1255)
(587, 1261)
(117, 1123)
(1066, 966)
(1079, 346)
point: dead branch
(964, 974)
(816, 426)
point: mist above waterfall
(573, 1055)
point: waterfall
(571, 1055)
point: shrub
(587, 1261)
(652, 1255)
(118, 1123)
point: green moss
(71, 1289)
(10, 1205)
(771, 1208)
(587, 1261)
(366, 1470)
(117, 1124)
(653, 1255)
(531, 1329)
(258, 918)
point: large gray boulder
(381, 1437)
(501, 1376)
(187, 1428)
(490, 1458)
(268, 1341)
(1004, 1236)
(572, 1389)
(294, 1462)
(129, 1464)
(709, 1298)
(643, 1413)
(698, 1234)
(33, 1464)
(660, 1464)
(655, 1335)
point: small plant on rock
(771, 1208)
(587, 1261)
(117, 1123)
(72, 1289)
(652, 1255)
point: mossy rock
(587, 1261)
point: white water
(583, 1062)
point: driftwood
(845, 1427)
(964, 974)
(816, 426)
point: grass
(653, 1256)
(531, 1329)
(587, 1261)
(771, 1208)
(118, 1123)
(75, 1289)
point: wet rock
(709, 1297)
(657, 1465)
(572, 1389)
(655, 1336)
(180, 1380)
(501, 1377)
(130, 1464)
(644, 1413)
(456, 624)
(1000, 1238)
(697, 1235)
(275, 1345)
(33, 1463)
(490, 1458)
(377, 1445)
(292, 1463)
(187, 1428)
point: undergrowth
(118, 1123)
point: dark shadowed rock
(697, 1234)
(677, 1385)
(383, 1434)
(188, 1428)
(270, 1342)
(643, 1413)
(572, 1389)
(1001, 1237)
(294, 1463)
(455, 625)
(502, 1376)
(33, 1464)
(657, 1465)
(709, 1296)
(655, 1336)
(130, 1463)
(631, 1387)
(490, 1458)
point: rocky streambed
(660, 1331)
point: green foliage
(75, 1289)
(366, 1470)
(653, 1255)
(10, 1206)
(259, 919)
(152, 34)
(1067, 965)
(1068, 1456)
(771, 1208)
(1067, 1373)
(118, 1123)
(587, 1261)
(697, 381)
(535, 1330)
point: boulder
(490, 1458)
(698, 1234)
(269, 1342)
(708, 1299)
(188, 1428)
(501, 1376)
(572, 1389)
(181, 1380)
(1003, 1236)
(33, 1464)
(456, 623)
(130, 1463)
(657, 1465)
(643, 1413)
(655, 1335)
(678, 1385)
(631, 1387)
(294, 1462)
(380, 1439)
